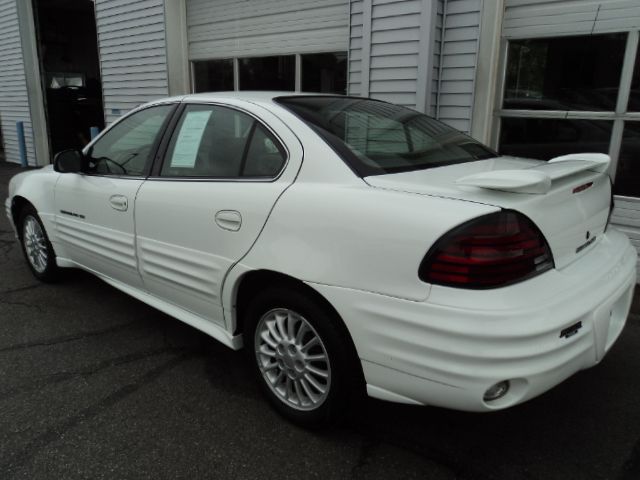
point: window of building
(220, 142)
(324, 72)
(574, 94)
(213, 75)
(315, 72)
(566, 73)
(268, 73)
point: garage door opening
(69, 66)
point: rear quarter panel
(356, 236)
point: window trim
(161, 155)
(155, 148)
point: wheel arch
(249, 283)
(17, 204)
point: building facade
(536, 78)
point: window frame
(155, 147)
(618, 116)
(171, 130)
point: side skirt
(205, 326)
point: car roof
(245, 95)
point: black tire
(47, 271)
(346, 384)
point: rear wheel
(36, 246)
(301, 355)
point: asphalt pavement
(94, 384)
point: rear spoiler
(537, 179)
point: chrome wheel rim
(292, 359)
(35, 244)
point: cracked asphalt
(94, 384)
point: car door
(222, 173)
(94, 209)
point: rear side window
(211, 141)
(376, 137)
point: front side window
(375, 137)
(220, 142)
(126, 149)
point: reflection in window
(566, 73)
(126, 148)
(548, 138)
(628, 171)
(267, 73)
(213, 75)
(324, 72)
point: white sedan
(348, 243)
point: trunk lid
(567, 198)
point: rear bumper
(449, 349)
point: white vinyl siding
(543, 18)
(437, 50)
(458, 56)
(14, 100)
(384, 50)
(231, 28)
(133, 60)
(354, 85)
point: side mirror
(69, 161)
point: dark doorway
(69, 65)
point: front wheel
(302, 356)
(36, 246)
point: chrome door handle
(229, 220)
(119, 202)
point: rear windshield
(376, 137)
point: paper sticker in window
(187, 145)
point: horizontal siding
(14, 100)
(393, 48)
(355, 48)
(538, 18)
(229, 28)
(132, 44)
(457, 56)
(395, 35)
(437, 51)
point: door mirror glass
(68, 161)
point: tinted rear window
(376, 137)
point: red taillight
(488, 252)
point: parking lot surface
(94, 384)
